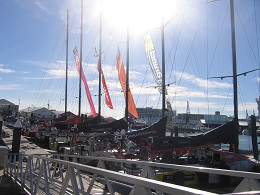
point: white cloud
(45, 64)
(10, 87)
(5, 70)
(42, 7)
(25, 72)
(202, 82)
(36, 78)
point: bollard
(176, 131)
(1, 127)
(17, 138)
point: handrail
(251, 175)
(38, 173)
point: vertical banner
(92, 108)
(153, 61)
(122, 78)
(107, 96)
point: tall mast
(163, 67)
(80, 72)
(235, 147)
(127, 74)
(67, 45)
(99, 55)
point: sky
(197, 46)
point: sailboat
(168, 149)
(157, 129)
(227, 159)
(104, 133)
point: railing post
(16, 137)
(247, 185)
(73, 180)
(21, 168)
(30, 166)
(80, 179)
(46, 176)
(1, 126)
(6, 164)
(10, 163)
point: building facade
(150, 116)
(8, 108)
(37, 113)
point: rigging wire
(174, 57)
(220, 32)
(242, 99)
(257, 42)
(189, 53)
(214, 53)
(38, 95)
(142, 85)
(224, 105)
(251, 47)
(193, 52)
(250, 44)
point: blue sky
(197, 46)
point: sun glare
(137, 15)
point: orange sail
(122, 79)
(107, 96)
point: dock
(7, 185)
(36, 176)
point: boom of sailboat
(243, 73)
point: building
(8, 108)
(185, 119)
(207, 120)
(149, 115)
(215, 120)
(37, 113)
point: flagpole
(80, 70)
(66, 82)
(163, 67)
(127, 74)
(235, 147)
(99, 55)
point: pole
(235, 147)
(99, 78)
(80, 71)
(127, 74)
(163, 68)
(67, 45)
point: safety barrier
(48, 174)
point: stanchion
(1, 126)
(17, 138)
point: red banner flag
(107, 96)
(92, 107)
(122, 79)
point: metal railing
(48, 174)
